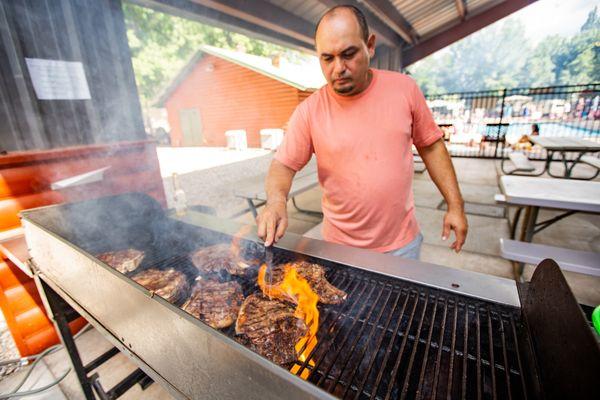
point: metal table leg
(305, 211)
(515, 222)
(62, 313)
(58, 307)
(527, 232)
(252, 207)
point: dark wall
(89, 31)
(387, 58)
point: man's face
(343, 54)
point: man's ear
(371, 45)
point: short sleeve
(296, 148)
(424, 129)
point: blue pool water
(548, 129)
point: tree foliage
(500, 56)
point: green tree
(499, 57)
(486, 60)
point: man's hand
(272, 221)
(455, 220)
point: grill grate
(397, 340)
(389, 340)
(400, 340)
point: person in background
(524, 143)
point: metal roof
(406, 29)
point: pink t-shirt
(364, 158)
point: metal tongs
(269, 271)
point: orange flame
(295, 288)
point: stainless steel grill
(391, 338)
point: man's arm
(440, 168)
(273, 220)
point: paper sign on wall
(58, 80)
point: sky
(554, 17)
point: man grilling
(361, 126)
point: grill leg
(58, 308)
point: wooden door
(191, 126)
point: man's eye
(348, 56)
(327, 59)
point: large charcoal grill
(392, 338)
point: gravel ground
(215, 187)
(8, 350)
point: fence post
(500, 127)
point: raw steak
(122, 260)
(271, 328)
(315, 276)
(169, 284)
(219, 257)
(215, 303)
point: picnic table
(304, 180)
(532, 193)
(563, 145)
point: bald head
(345, 11)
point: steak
(219, 257)
(170, 284)
(315, 276)
(270, 328)
(122, 260)
(215, 303)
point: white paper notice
(58, 80)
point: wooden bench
(520, 165)
(521, 162)
(591, 160)
(583, 262)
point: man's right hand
(272, 221)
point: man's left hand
(457, 221)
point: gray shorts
(412, 250)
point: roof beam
(461, 8)
(266, 15)
(392, 17)
(383, 31)
(472, 23)
(201, 13)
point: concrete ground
(183, 160)
(214, 188)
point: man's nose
(340, 66)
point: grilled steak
(122, 260)
(270, 328)
(217, 258)
(169, 284)
(215, 303)
(315, 276)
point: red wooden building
(221, 90)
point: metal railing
(487, 124)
